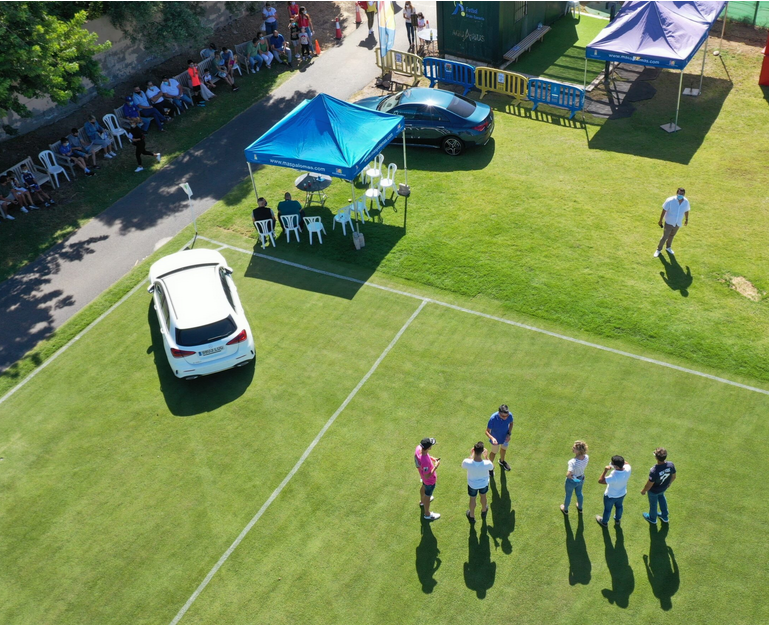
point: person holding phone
(616, 489)
(498, 431)
(427, 465)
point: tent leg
(723, 28)
(405, 169)
(584, 81)
(673, 126)
(251, 175)
(702, 72)
(354, 203)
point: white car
(201, 318)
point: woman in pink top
(427, 466)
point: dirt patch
(744, 287)
(237, 31)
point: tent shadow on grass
(190, 398)
(361, 264)
(641, 134)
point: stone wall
(118, 63)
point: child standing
(304, 41)
(575, 476)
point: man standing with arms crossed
(661, 476)
(675, 210)
(498, 431)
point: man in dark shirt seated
(291, 207)
(262, 212)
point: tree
(159, 25)
(45, 55)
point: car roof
(423, 95)
(186, 258)
(196, 295)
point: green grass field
(123, 486)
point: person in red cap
(427, 466)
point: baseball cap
(427, 443)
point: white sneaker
(34, 208)
(656, 253)
(114, 154)
(431, 499)
(108, 155)
(157, 156)
(10, 218)
(434, 516)
(138, 169)
(670, 250)
(24, 209)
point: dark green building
(484, 31)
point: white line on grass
(293, 471)
(73, 340)
(524, 326)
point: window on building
(521, 10)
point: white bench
(525, 44)
(41, 175)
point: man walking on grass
(675, 210)
(427, 466)
(616, 489)
(661, 476)
(498, 431)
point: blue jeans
(153, 113)
(571, 487)
(654, 499)
(255, 62)
(410, 32)
(608, 502)
(182, 98)
(269, 27)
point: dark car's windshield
(390, 102)
(461, 106)
(207, 333)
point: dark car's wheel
(453, 146)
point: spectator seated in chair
(209, 52)
(11, 196)
(291, 207)
(28, 178)
(78, 149)
(155, 96)
(255, 60)
(20, 192)
(222, 70)
(131, 112)
(172, 90)
(146, 109)
(65, 149)
(99, 136)
(263, 212)
(280, 48)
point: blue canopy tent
(657, 34)
(326, 136)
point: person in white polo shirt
(616, 489)
(478, 468)
(675, 212)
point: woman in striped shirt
(575, 476)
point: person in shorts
(31, 183)
(478, 468)
(498, 431)
(427, 466)
(661, 476)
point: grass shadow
(427, 560)
(642, 136)
(661, 567)
(580, 567)
(206, 394)
(479, 570)
(502, 514)
(542, 114)
(675, 276)
(622, 578)
(765, 91)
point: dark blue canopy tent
(657, 34)
(326, 136)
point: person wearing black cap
(498, 431)
(427, 466)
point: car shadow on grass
(189, 398)
(433, 159)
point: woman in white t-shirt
(575, 475)
(477, 467)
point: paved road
(49, 291)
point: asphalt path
(46, 293)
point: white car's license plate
(215, 350)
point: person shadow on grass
(661, 567)
(579, 561)
(622, 578)
(428, 561)
(480, 571)
(674, 275)
(502, 514)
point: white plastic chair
(343, 217)
(388, 183)
(290, 224)
(51, 166)
(373, 194)
(374, 172)
(359, 210)
(265, 229)
(314, 225)
(110, 121)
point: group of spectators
(288, 206)
(15, 193)
(269, 45)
